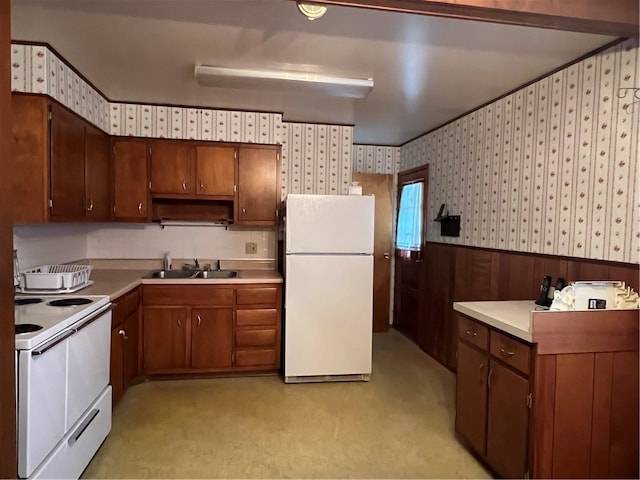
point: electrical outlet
(251, 247)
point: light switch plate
(251, 247)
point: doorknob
(386, 255)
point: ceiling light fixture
(331, 85)
(311, 11)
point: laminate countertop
(510, 316)
(117, 281)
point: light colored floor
(398, 425)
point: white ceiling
(426, 70)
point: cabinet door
(164, 339)
(171, 168)
(130, 179)
(215, 170)
(257, 200)
(130, 364)
(29, 160)
(96, 174)
(508, 422)
(115, 373)
(471, 396)
(67, 164)
(211, 338)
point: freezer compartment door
(329, 224)
(328, 315)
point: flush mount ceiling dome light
(311, 11)
(258, 79)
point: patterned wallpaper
(551, 168)
(375, 159)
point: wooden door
(96, 174)
(130, 354)
(67, 164)
(507, 421)
(215, 170)
(171, 167)
(211, 338)
(258, 193)
(409, 275)
(164, 339)
(130, 180)
(117, 356)
(471, 396)
(381, 186)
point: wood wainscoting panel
(573, 408)
(623, 433)
(454, 273)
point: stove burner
(27, 328)
(69, 302)
(27, 301)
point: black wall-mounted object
(449, 224)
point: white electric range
(62, 374)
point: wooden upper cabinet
(67, 164)
(130, 180)
(171, 168)
(60, 163)
(97, 191)
(30, 158)
(257, 200)
(215, 171)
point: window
(409, 231)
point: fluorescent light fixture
(283, 80)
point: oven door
(88, 367)
(42, 385)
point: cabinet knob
(123, 334)
(179, 322)
(184, 185)
(202, 185)
(386, 255)
(90, 207)
(243, 210)
(199, 320)
(472, 334)
(140, 208)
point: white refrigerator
(328, 287)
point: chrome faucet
(195, 266)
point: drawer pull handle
(472, 334)
(140, 208)
(184, 185)
(506, 353)
(124, 334)
(199, 320)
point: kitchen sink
(216, 274)
(177, 274)
(173, 274)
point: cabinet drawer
(473, 332)
(257, 295)
(256, 338)
(511, 351)
(248, 358)
(131, 303)
(257, 316)
(188, 295)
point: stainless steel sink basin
(216, 274)
(170, 274)
(177, 274)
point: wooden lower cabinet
(124, 344)
(211, 338)
(211, 328)
(165, 339)
(493, 397)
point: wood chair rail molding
(611, 17)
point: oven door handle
(94, 317)
(52, 343)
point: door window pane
(409, 231)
